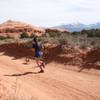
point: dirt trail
(22, 81)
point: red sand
(20, 80)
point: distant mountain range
(78, 27)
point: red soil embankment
(84, 59)
(16, 50)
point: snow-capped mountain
(78, 27)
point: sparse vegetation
(24, 35)
(63, 41)
(83, 38)
(4, 37)
(32, 35)
(90, 33)
(54, 34)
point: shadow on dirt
(16, 51)
(23, 74)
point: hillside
(15, 28)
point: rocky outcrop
(16, 27)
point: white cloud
(50, 12)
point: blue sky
(50, 12)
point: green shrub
(90, 33)
(32, 35)
(2, 37)
(54, 34)
(97, 32)
(24, 35)
(75, 33)
(63, 41)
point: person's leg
(42, 60)
(37, 62)
(39, 65)
(42, 63)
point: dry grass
(75, 40)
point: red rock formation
(16, 27)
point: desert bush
(54, 34)
(92, 43)
(82, 39)
(75, 33)
(63, 41)
(98, 32)
(2, 37)
(83, 46)
(24, 35)
(90, 32)
(32, 35)
(95, 44)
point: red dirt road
(18, 80)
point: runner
(38, 54)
